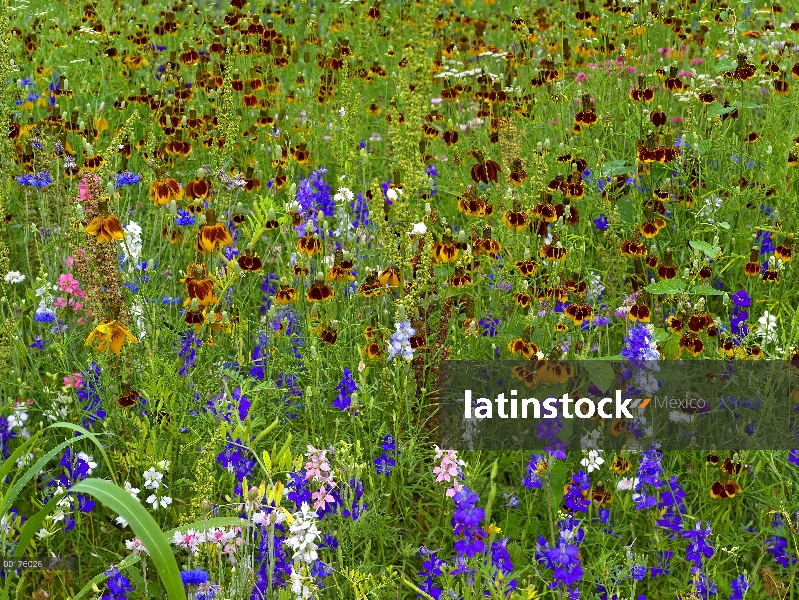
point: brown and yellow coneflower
(752, 267)
(319, 291)
(213, 235)
(164, 192)
(105, 227)
(198, 286)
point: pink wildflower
(75, 380)
(449, 470)
(581, 77)
(67, 283)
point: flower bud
(201, 220)
(401, 314)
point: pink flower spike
(581, 77)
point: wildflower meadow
(246, 243)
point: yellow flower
(105, 228)
(111, 333)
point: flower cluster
(345, 388)
(319, 471)
(401, 341)
(449, 469)
(387, 461)
(153, 481)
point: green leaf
(705, 290)
(667, 286)
(724, 225)
(616, 167)
(601, 373)
(710, 250)
(717, 109)
(144, 527)
(704, 147)
(626, 211)
(660, 335)
(728, 64)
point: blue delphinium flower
(649, 472)
(699, 546)
(638, 344)
(466, 521)
(575, 492)
(206, 591)
(673, 506)
(360, 211)
(76, 468)
(738, 586)
(563, 557)
(237, 459)
(535, 468)
(345, 389)
(400, 341)
(313, 195)
(489, 325)
(118, 585)
(189, 344)
(38, 343)
(431, 171)
(433, 568)
(386, 461)
(90, 394)
(601, 222)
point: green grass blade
(32, 525)
(12, 494)
(144, 527)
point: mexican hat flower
(105, 227)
